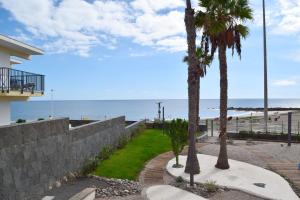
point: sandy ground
(278, 122)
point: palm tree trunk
(198, 104)
(222, 162)
(192, 164)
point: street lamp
(265, 71)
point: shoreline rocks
(262, 109)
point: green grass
(127, 163)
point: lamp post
(52, 105)
(159, 110)
(265, 71)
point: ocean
(132, 109)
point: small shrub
(243, 132)
(41, 119)
(122, 142)
(210, 186)
(89, 166)
(177, 130)
(141, 128)
(179, 179)
(19, 121)
(105, 153)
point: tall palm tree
(222, 25)
(192, 164)
(204, 60)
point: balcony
(18, 83)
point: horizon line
(161, 99)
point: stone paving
(275, 156)
(241, 176)
(155, 173)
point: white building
(16, 85)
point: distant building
(16, 85)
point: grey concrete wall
(134, 127)
(35, 155)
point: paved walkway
(167, 192)
(282, 166)
(275, 156)
(270, 155)
(241, 176)
(155, 173)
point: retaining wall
(35, 155)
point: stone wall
(35, 155)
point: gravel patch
(199, 189)
(117, 188)
(105, 188)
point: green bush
(177, 130)
(41, 119)
(89, 166)
(141, 128)
(210, 186)
(122, 142)
(19, 121)
(105, 153)
(179, 179)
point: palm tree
(192, 164)
(204, 60)
(222, 25)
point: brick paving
(285, 168)
(274, 156)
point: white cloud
(173, 44)
(156, 5)
(282, 16)
(286, 82)
(78, 25)
(140, 54)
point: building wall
(5, 118)
(35, 155)
(4, 59)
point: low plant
(105, 153)
(210, 186)
(122, 142)
(179, 179)
(141, 127)
(177, 130)
(41, 119)
(89, 166)
(19, 121)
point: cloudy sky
(133, 49)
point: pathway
(155, 173)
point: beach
(254, 122)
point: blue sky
(134, 49)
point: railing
(16, 80)
(277, 124)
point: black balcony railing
(16, 80)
